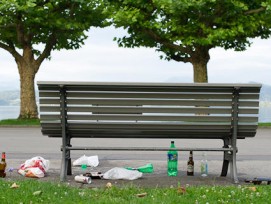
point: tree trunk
(200, 72)
(27, 71)
(199, 60)
(27, 65)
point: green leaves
(175, 25)
(36, 20)
(267, 5)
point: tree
(31, 29)
(185, 30)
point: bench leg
(234, 166)
(230, 159)
(66, 168)
(66, 159)
(227, 158)
(64, 164)
(69, 171)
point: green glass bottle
(148, 168)
(172, 163)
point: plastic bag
(89, 161)
(34, 168)
(122, 173)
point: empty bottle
(148, 168)
(172, 168)
(3, 165)
(204, 165)
(190, 165)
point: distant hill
(12, 97)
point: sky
(100, 59)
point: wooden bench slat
(112, 94)
(171, 95)
(126, 125)
(188, 87)
(135, 117)
(140, 109)
(134, 102)
(241, 135)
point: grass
(20, 122)
(264, 124)
(34, 191)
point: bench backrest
(160, 110)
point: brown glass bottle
(3, 165)
(190, 165)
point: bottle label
(190, 168)
(172, 157)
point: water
(12, 112)
(9, 112)
(265, 114)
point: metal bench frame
(230, 141)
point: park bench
(149, 110)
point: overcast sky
(100, 59)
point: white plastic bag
(122, 173)
(35, 167)
(92, 161)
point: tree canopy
(31, 29)
(185, 30)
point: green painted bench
(149, 110)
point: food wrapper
(34, 168)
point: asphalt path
(24, 142)
(253, 158)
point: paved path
(253, 158)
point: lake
(11, 112)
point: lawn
(24, 122)
(34, 191)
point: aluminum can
(82, 179)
